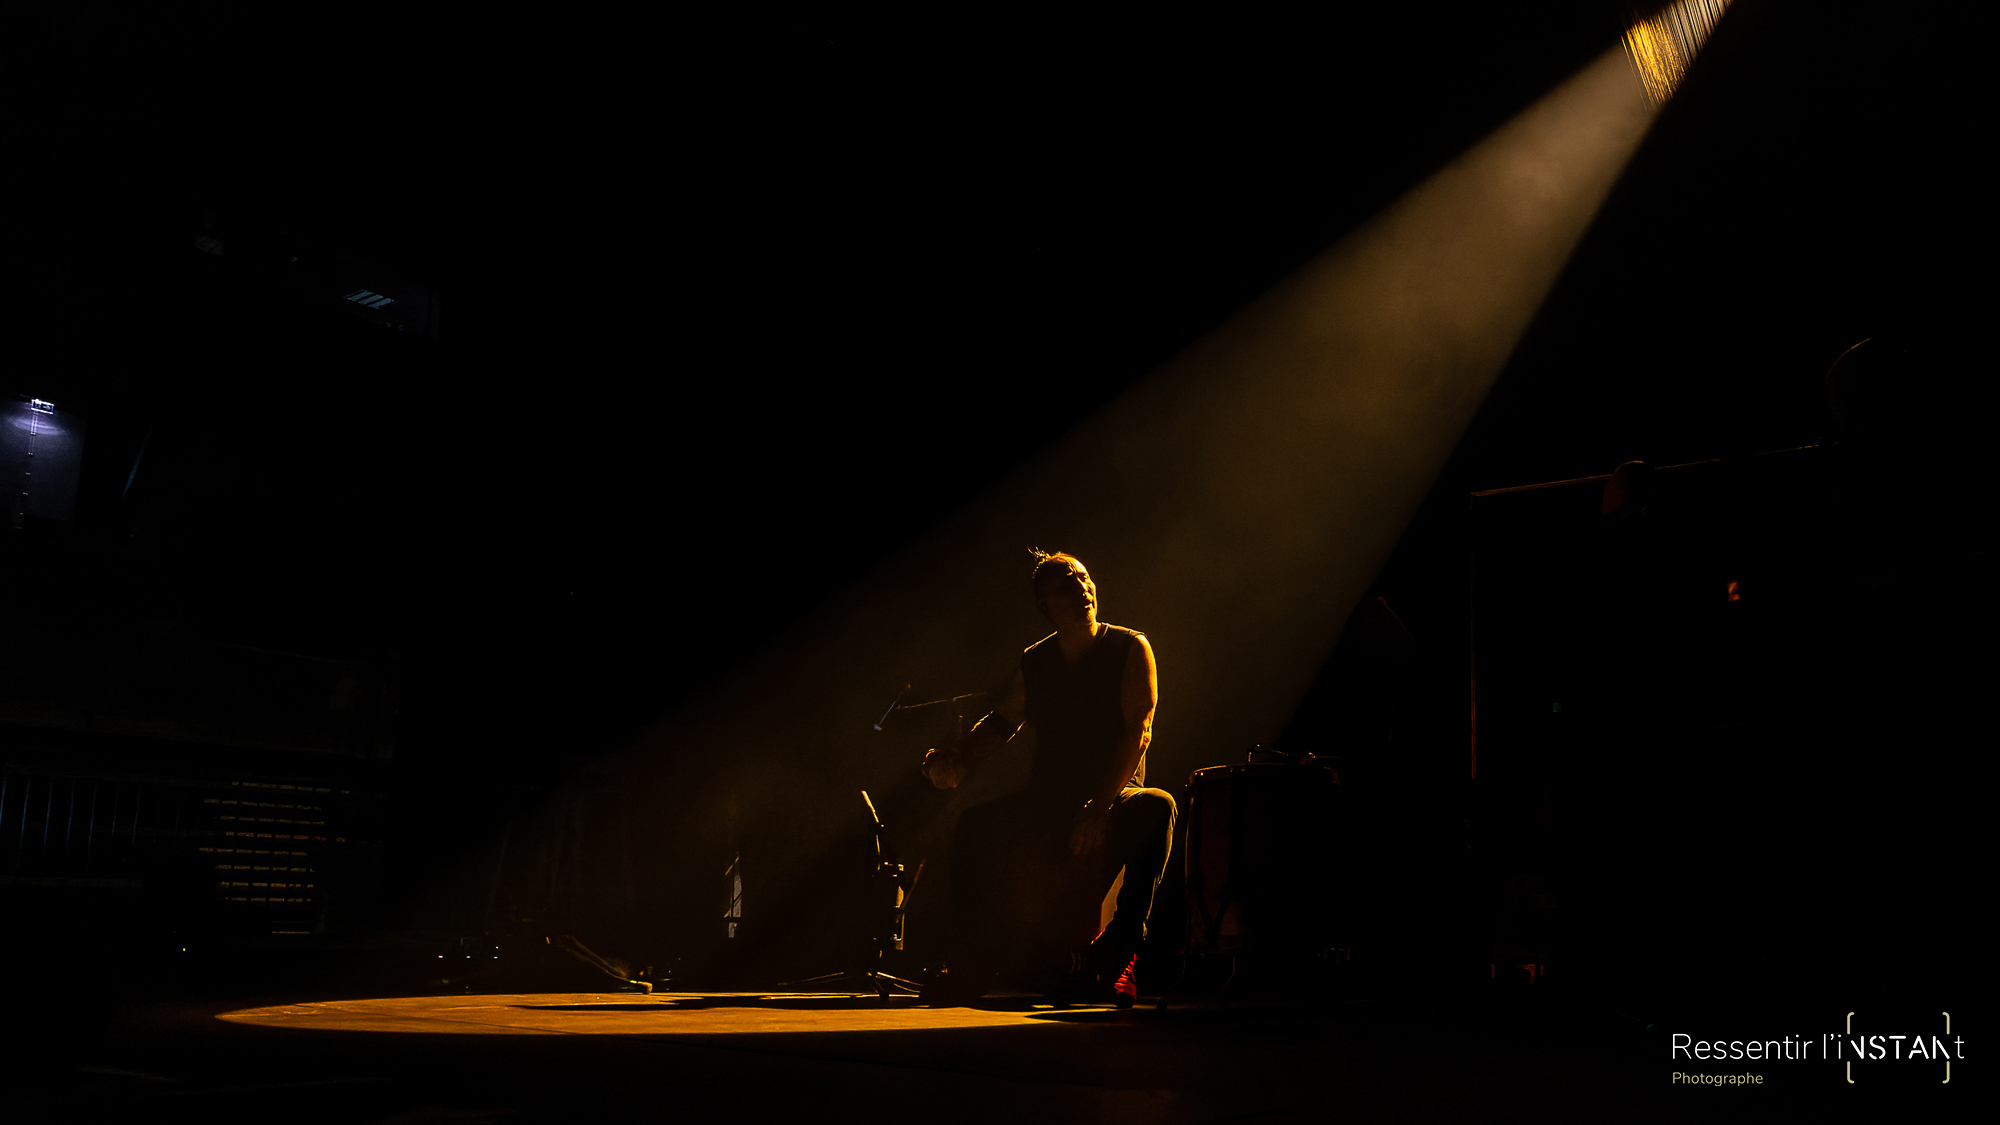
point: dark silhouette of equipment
(886, 902)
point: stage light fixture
(1663, 45)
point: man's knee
(1150, 806)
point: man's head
(1063, 588)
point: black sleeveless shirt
(1079, 713)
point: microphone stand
(888, 895)
(889, 888)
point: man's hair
(1049, 566)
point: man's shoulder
(1120, 636)
(1129, 635)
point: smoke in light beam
(1235, 505)
(1662, 46)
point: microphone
(893, 704)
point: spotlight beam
(1262, 479)
(1235, 505)
(1240, 501)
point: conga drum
(1261, 857)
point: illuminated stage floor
(583, 1013)
(758, 1057)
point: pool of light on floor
(593, 1013)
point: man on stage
(1031, 869)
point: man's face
(1072, 596)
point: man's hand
(1086, 832)
(945, 768)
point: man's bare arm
(948, 767)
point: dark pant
(1020, 897)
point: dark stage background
(728, 312)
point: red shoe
(1125, 992)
